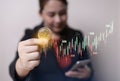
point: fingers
(33, 56)
(81, 73)
(72, 74)
(28, 49)
(29, 42)
(30, 65)
(33, 63)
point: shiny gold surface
(45, 36)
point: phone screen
(80, 64)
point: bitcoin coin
(45, 37)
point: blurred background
(86, 15)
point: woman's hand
(29, 56)
(81, 73)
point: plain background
(85, 15)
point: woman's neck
(56, 36)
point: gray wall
(85, 15)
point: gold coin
(45, 36)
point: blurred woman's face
(54, 15)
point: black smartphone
(80, 64)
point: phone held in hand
(80, 64)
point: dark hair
(43, 2)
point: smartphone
(80, 64)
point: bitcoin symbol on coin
(45, 37)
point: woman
(31, 65)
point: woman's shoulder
(31, 33)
